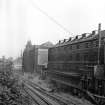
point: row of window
(83, 45)
(76, 46)
(85, 57)
(75, 57)
(87, 45)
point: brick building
(35, 57)
(41, 56)
(28, 58)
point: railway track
(34, 100)
(38, 99)
(55, 98)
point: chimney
(93, 32)
(70, 39)
(84, 35)
(59, 41)
(76, 37)
(64, 40)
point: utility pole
(99, 42)
(22, 63)
(99, 68)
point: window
(78, 46)
(93, 56)
(71, 47)
(77, 57)
(70, 57)
(87, 45)
(65, 48)
(86, 57)
(91, 44)
(95, 43)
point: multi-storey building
(28, 61)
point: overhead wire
(50, 17)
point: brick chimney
(59, 41)
(93, 32)
(70, 39)
(84, 35)
(64, 40)
(76, 37)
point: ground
(44, 84)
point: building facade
(41, 56)
(35, 57)
(28, 58)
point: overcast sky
(20, 20)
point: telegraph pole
(99, 42)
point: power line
(50, 17)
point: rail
(38, 99)
(56, 98)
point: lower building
(41, 56)
(35, 57)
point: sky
(23, 20)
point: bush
(11, 92)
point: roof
(45, 45)
(79, 39)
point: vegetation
(11, 92)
